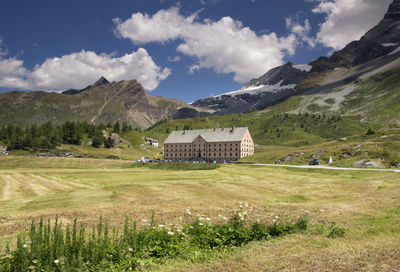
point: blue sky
(181, 49)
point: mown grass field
(366, 203)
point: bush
(336, 231)
(53, 248)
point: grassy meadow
(366, 204)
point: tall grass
(52, 247)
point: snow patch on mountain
(302, 67)
(252, 90)
(397, 50)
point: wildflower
(34, 261)
(154, 227)
(277, 217)
(31, 267)
(219, 215)
(201, 224)
(225, 218)
(161, 225)
(240, 203)
(208, 219)
(322, 210)
(273, 220)
(56, 261)
(258, 220)
(144, 220)
(201, 218)
(24, 246)
(246, 204)
(307, 211)
(170, 233)
(244, 213)
(130, 249)
(240, 214)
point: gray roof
(210, 135)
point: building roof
(210, 135)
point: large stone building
(209, 144)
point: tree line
(49, 136)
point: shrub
(336, 231)
(51, 247)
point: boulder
(319, 154)
(368, 164)
(288, 158)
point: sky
(187, 49)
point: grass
(364, 203)
(270, 128)
(177, 166)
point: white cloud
(77, 70)
(224, 45)
(348, 20)
(174, 59)
(301, 31)
(3, 48)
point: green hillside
(271, 129)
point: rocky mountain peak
(101, 81)
(377, 42)
(286, 74)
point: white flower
(240, 214)
(154, 227)
(258, 220)
(56, 261)
(219, 215)
(244, 213)
(201, 224)
(273, 220)
(34, 261)
(144, 220)
(276, 216)
(170, 233)
(246, 204)
(24, 246)
(208, 219)
(322, 210)
(225, 218)
(201, 218)
(240, 203)
(130, 249)
(161, 225)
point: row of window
(188, 155)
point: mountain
(379, 41)
(272, 87)
(359, 80)
(101, 102)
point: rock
(117, 139)
(3, 151)
(346, 155)
(61, 154)
(288, 158)
(319, 154)
(343, 139)
(330, 160)
(368, 164)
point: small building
(209, 144)
(151, 141)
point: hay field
(366, 203)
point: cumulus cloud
(224, 45)
(77, 70)
(301, 31)
(348, 20)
